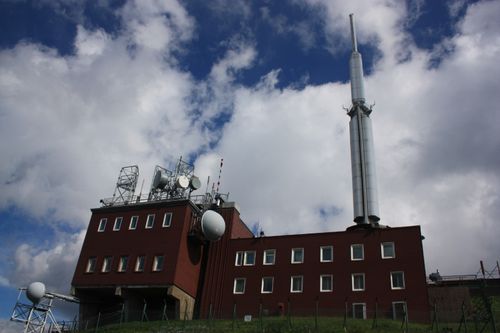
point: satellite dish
(35, 292)
(182, 182)
(160, 180)
(194, 183)
(212, 225)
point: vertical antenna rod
(364, 178)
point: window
(239, 286)
(158, 263)
(267, 285)
(296, 283)
(122, 265)
(357, 252)
(118, 223)
(387, 249)
(359, 310)
(102, 225)
(326, 254)
(397, 280)
(399, 310)
(150, 221)
(358, 281)
(269, 257)
(249, 258)
(297, 256)
(91, 263)
(167, 220)
(139, 263)
(106, 264)
(326, 283)
(133, 222)
(239, 258)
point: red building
(148, 253)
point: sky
(89, 87)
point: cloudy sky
(89, 87)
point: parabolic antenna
(35, 292)
(194, 183)
(182, 182)
(212, 225)
(160, 180)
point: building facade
(147, 253)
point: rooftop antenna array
(36, 315)
(174, 184)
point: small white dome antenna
(35, 316)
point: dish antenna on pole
(36, 315)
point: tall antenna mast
(364, 178)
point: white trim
(244, 285)
(394, 310)
(137, 264)
(147, 221)
(364, 310)
(136, 222)
(392, 281)
(382, 254)
(352, 281)
(156, 265)
(362, 252)
(102, 225)
(91, 263)
(169, 220)
(301, 284)
(321, 253)
(245, 258)
(321, 289)
(121, 267)
(239, 255)
(106, 264)
(262, 285)
(264, 257)
(115, 228)
(292, 260)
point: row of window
(123, 264)
(134, 220)
(325, 283)
(247, 258)
(399, 310)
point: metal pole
(234, 317)
(260, 318)
(344, 325)
(316, 315)
(288, 315)
(97, 323)
(375, 323)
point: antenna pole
(353, 34)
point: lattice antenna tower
(126, 184)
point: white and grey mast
(364, 177)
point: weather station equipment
(38, 314)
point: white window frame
(392, 280)
(262, 291)
(235, 283)
(301, 277)
(273, 251)
(122, 267)
(102, 225)
(133, 227)
(321, 258)
(394, 317)
(106, 264)
(382, 252)
(91, 265)
(362, 252)
(117, 226)
(147, 226)
(156, 263)
(167, 222)
(245, 258)
(321, 288)
(292, 260)
(238, 260)
(137, 267)
(353, 275)
(364, 310)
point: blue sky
(89, 87)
